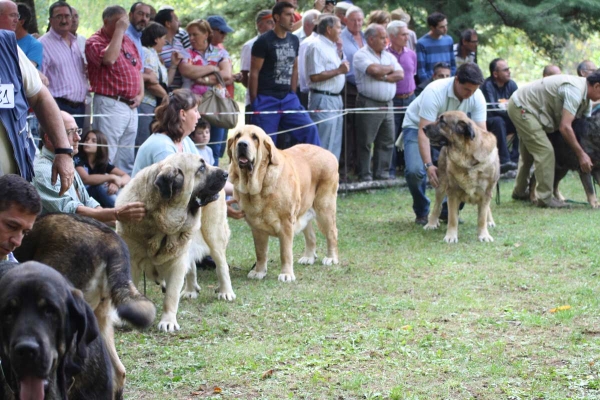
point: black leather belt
(72, 104)
(119, 98)
(325, 92)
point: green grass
(403, 316)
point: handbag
(214, 103)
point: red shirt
(120, 79)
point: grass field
(403, 316)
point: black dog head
(169, 182)
(45, 329)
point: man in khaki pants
(542, 107)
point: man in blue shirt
(139, 16)
(434, 47)
(32, 48)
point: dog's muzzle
(242, 156)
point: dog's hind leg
(483, 212)
(105, 325)
(310, 243)
(325, 206)
(490, 220)
(191, 287)
(261, 246)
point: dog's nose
(27, 350)
(225, 175)
(242, 145)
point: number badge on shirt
(7, 95)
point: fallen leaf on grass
(561, 308)
(267, 374)
(217, 389)
(407, 327)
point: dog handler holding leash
(542, 107)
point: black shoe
(521, 197)
(508, 166)
(421, 220)
(206, 263)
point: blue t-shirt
(32, 48)
(158, 147)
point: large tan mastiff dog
(468, 170)
(281, 192)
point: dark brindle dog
(587, 131)
(96, 260)
(50, 347)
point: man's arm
(255, 67)
(128, 212)
(47, 112)
(395, 76)
(114, 47)
(325, 75)
(566, 130)
(294, 83)
(378, 71)
(425, 151)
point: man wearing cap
(326, 72)
(264, 23)
(218, 135)
(116, 80)
(274, 77)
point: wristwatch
(65, 150)
(206, 79)
(427, 165)
(385, 78)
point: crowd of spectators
(330, 59)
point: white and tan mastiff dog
(281, 192)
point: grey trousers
(374, 129)
(330, 131)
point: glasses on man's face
(14, 15)
(504, 69)
(72, 131)
(63, 16)
(131, 58)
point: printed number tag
(7, 96)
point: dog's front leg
(174, 281)
(286, 241)
(588, 186)
(261, 246)
(483, 211)
(452, 231)
(434, 215)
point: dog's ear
(82, 321)
(169, 182)
(230, 142)
(466, 129)
(272, 151)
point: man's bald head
(9, 15)
(551, 70)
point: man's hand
(176, 58)
(131, 212)
(432, 175)
(344, 67)
(234, 212)
(122, 23)
(137, 100)
(63, 167)
(44, 78)
(585, 163)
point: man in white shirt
(305, 42)
(377, 72)
(459, 93)
(327, 75)
(264, 23)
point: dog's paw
(187, 294)
(595, 205)
(227, 296)
(491, 224)
(485, 237)
(432, 225)
(286, 277)
(306, 260)
(329, 261)
(168, 323)
(257, 275)
(449, 238)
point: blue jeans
(217, 134)
(100, 194)
(271, 123)
(398, 119)
(414, 172)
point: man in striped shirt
(377, 72)
(116, 80)
(327, 76)
(63, 62)
(435, 47)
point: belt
(72, 104)
(326, 93)
(119, 98)
(377, 101)
(405, 96)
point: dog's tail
(131, 305)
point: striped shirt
(367, 85)
(431, 51)
(67, 203)
(123, 78)
(350, 47)
(323, 56)
(180, 42)
(64, 65)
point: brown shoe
(553, 203)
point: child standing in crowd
(201, 137)
(102, 179)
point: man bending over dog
(20, 204)
(76, 199)
(545, 106)
(459, 93)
